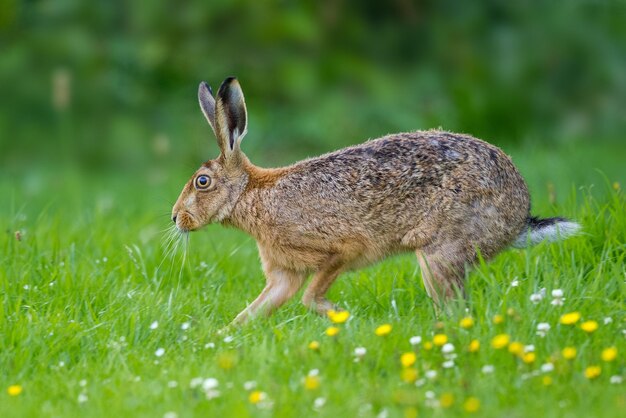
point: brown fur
(444, 196)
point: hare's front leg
(281, 285)
(315, 294)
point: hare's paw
(321, 306)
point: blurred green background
(110, 86)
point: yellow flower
(408, 375)
(474, 346)
(616, 186)
(383, 330)
(314, 345)
(446, 400)
(589, 326)
(568, 353)
(256, 396)
(516, 348)
(440, 339)
(471, 405)
(332, 331)
(500, 341)
(609, 354)
(592, 372)
(529, 357)
(546, 380)
(570, 318)
(428, 346)
(408, 359)
(498, 319)
(14, 390)
(410, 412)
(466, 322)
(338, 317)
(311, 382)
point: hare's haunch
(447, 197)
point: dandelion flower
(569, 353)
(416, 340)
(570, 318)
(14, 390)
(311, 382)
(589, 326)
(592, 372)
(516, 348)
(314, 345)
(546, 380)
(256, 397)
(440, 339)
(408, 375)
(529, 358)
(474, 346)
(609, 354)
(332, 331)
(446, 400)
(471, 405)
(338, 317)
(498, 319)
(383, 330)
(466, 322)
(408, 359)
(428, 346)
(500, 341)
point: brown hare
(447, 197)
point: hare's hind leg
(315, 294)
(281, 286)
(443, 271)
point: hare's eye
(202, 182)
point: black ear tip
(226, 84)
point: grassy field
(101, 318)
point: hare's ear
(207, 104)
(230, 117)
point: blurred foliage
(113, 83)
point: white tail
(549, 230)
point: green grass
(90, 275)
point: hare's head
(211, 193)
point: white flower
(159, 352)
(529, 348)
(616, 380)
(447, 348)
(536, 298)
(172, 384)
(212, 394)
(383, 413)
(82, 383)
(210, 383)
(547, 367)
(416, 340)
(26, 287)
(209, 345)
(431, 374)
(542, 329)
(557, 293)
(229, 339)
(314, 372)
(448, 364)
(82, 398)
(420, 382)
(195, 382)
(360, 352)
(249, 385)
(430, 394)
(185, 326)
(170, 414)
(154, 325)
(607, 320)
(558, 300)
(319, 403)
(515, 283)
(487, 369)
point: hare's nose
(174, 218)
